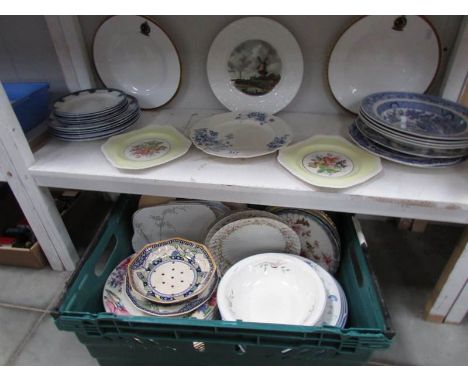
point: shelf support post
(36, 203)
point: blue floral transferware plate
(411, 148)
(395, 156)
(241, 135)
(418, 114)
(171, 271)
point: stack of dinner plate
(93, 114)
(169, 278)
(413, 129)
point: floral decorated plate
(396, 156)
(150, 146)
(116, 300)
(185, 308)
(171, 271)
(274, 288)
(240, 135)
(318, 241)
(329, 161)
(152, 224)
(250, 236)
(255, 63)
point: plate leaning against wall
(240, 135)
(134, 54)
(329, 161)
(380, 53)
(255, 64)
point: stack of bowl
(169, 278)
(282, 289)
(413, 129)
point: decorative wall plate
(162, 222)
(240, 135)
(418, 115)
(150, 146)
(398, 157)
(116, 300)
(134, 54)
(171, 271)
(255, 64)
(329, 161)
(220, 223)
(251, 236)
(318, 242)
(89, 103)
(376, 53)
(274, 288)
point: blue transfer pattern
(256, 116)
(418, 114)
(396, 156)
(209, 138)
(278, 142)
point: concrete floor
(407, 265)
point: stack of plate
(245, 233)
(320, 240)
(170, 278)
(283, 289)
(93, 114)
(412, 129)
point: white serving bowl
(272, 288)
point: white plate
(255, 54)
(240, 135)
(165, 221)
(336, 301)
(274, 288)
(246, 237)
(134, 54)
(371, 56)
(237, 216)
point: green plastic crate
(115, 340)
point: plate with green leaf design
(329, 161)
(150, 146)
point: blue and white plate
(411, 148)
(418, 115)
(241, 135)
(395, 156)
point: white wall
(193, 35)
(27, 53)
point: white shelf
(400, 191)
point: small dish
(329, 161)
(150, 146)
(240, 135)
(171, 271)
(272, 288)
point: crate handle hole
(240, 350)
(101, 264)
